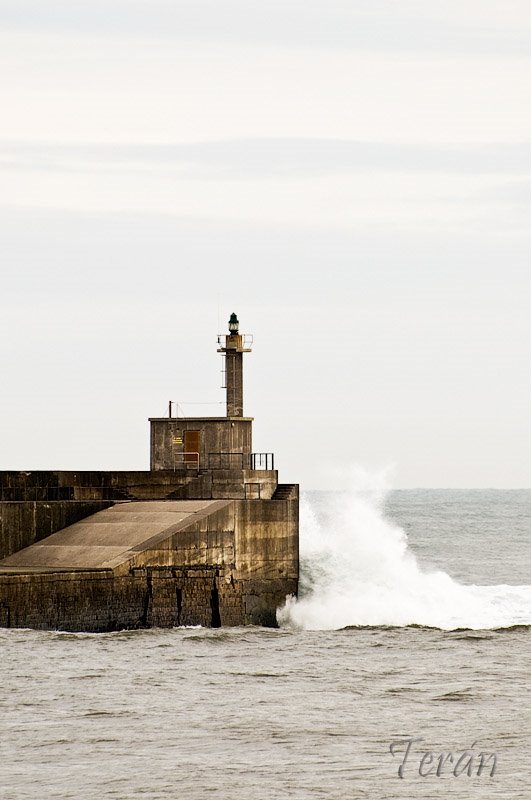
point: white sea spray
(358, 569)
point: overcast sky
(352, 178)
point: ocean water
(413, 624)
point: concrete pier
(142, 564)
(207, 536)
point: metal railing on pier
(186, 460)
(263, 461)
(237, 460)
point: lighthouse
(233, 346)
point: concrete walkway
(110, 537)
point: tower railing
(246, 342)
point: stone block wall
(72, 601)
(98, 601)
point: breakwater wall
(35, 504)
(148, 563)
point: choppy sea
(412, 632)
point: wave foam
(357, 569)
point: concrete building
(207, 536)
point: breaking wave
(357, 569)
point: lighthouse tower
(234, 346)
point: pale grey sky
(352, 178)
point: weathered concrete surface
(110, 537)
(112, 486)
(234, 378)
(24, 522)
(226, 562)
(267, 554)
(53, 487)
(231, 437)
(35, 504)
